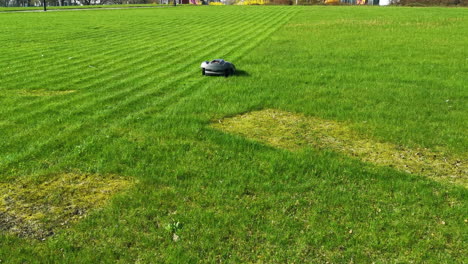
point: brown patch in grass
(43, 92)
(296, 131)
(32, 208)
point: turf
(294, 132)
(34, 210)
(119, 92)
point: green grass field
(118, 94)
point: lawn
(114, 148)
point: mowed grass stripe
(101, 77)
(254, 40)
(65, 133)
(168, 52)
(52, 71)
(182, 27)
(58, 40)
(30, 113)
(114, 52)
(98, 48)
(20, 102)
(96, 84)
(158, 108)
(91, 95)
(142, 35)
(70, 130)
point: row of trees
(24, 3)
(430, 2)
(394, 2)
(294, 2)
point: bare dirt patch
(35, 208)
(43, 92)
(295, 131)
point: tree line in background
(430, 2)
(26, 3)
(393, 2)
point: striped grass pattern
(87, 96)
(124, 77)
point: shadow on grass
(241, 73)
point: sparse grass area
(294, 132)
(141, 109)
(33, 208)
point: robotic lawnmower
(218, 67)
